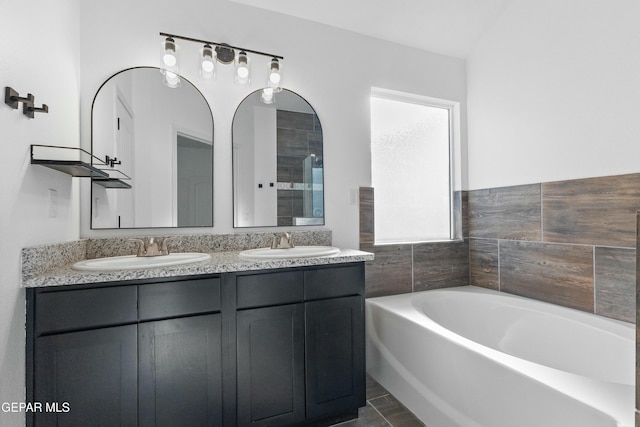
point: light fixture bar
(224, 45)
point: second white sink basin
(132, 262)
(295, 252)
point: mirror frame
(233, 183)
(182, 78)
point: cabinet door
(87, 378)
(180, 372)
(270, 369)
(335, 356)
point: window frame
(455, 202)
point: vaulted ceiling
(449, 27)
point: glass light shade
(171, 79)
(207, 64)
(243, 73)
(169, 55)
(274, 75)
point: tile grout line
(594, 280)
(368, 402)
(379, 413)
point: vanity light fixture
(222, 53)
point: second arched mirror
(277, 162)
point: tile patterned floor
(382, 410)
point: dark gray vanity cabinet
(281, 347)
(85, 362)
(300, 343)
(271, 366)
(180, 357)
(147, 354)
(334, 359)
(87, 378)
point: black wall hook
(28, 110)
(12, 99)
(111, 161)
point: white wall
(554, 93)
(40, 56)
(333, 69)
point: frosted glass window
(411, 170)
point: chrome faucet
(151, 247)
(282, 242)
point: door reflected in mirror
(162, 139)
(277, 162)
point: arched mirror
(160, 139)
(277, 162)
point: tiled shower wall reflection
(298, 136)
(570, 243)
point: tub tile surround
(38, 260)
(577, 247)
(570, 243)
(553, 273)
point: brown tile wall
(571, 243)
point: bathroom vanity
(269, 347)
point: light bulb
(169, 59)
(274, 78)
(207, 65)
(243, 72)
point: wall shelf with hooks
(79, 163)
(70, 160)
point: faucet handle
(282, 242)
(165, 248)
(141, 246)
(289, 240)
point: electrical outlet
(354, 195)
(53, 203)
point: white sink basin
(132, 262)
(295, 252)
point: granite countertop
(221, 262)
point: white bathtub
(472, 357)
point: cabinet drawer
(85, 308)
(161, 300)
(334, 282)
(260, 290)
